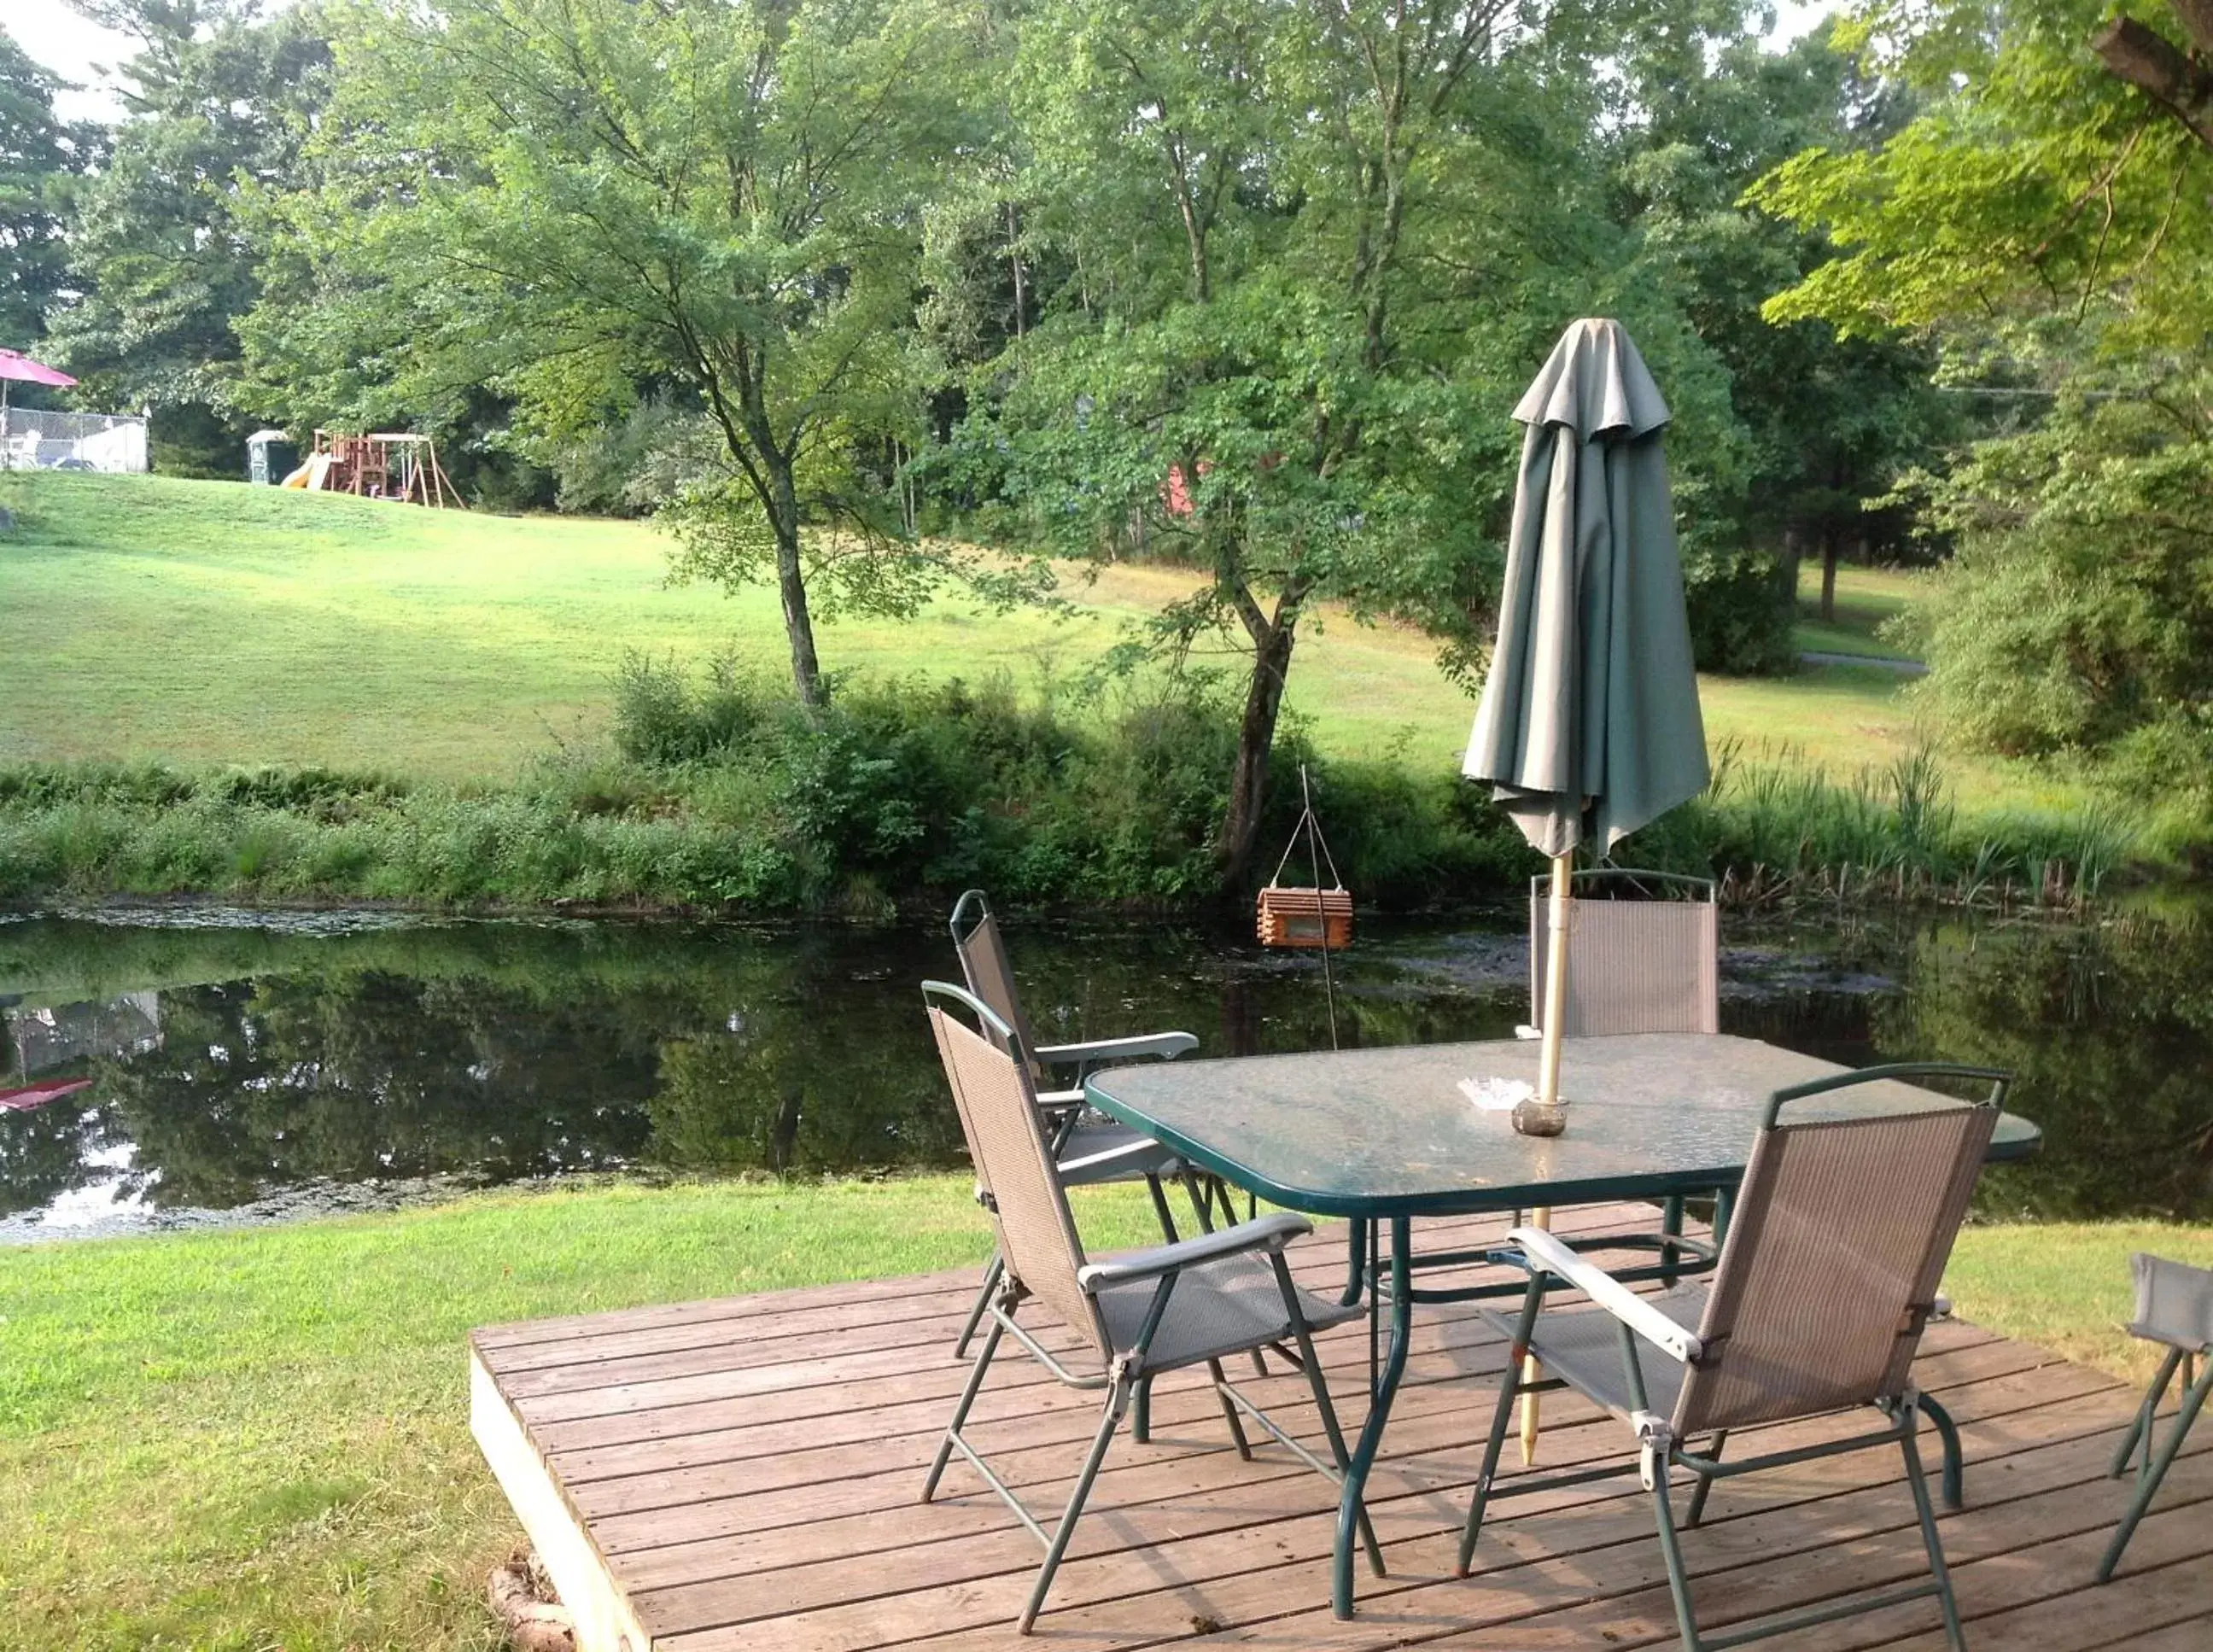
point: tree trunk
(791, 586)
(1256, 742)
(1828, 575)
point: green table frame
(1383, 1137)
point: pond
(209, 1066)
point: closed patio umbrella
(1589, 726)
(15, 365)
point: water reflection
(232, 1063)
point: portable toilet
(270, 455)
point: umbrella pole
(1548, 1083)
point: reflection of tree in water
(353, 1076)
(43, 1154)
(519, 1049)
(816, 1066)
(2109, 1029)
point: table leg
(1356, 1270)
(1379, 1415)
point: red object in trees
(13, 365)
(23, 1097)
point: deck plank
(742, 1472)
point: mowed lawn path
(210, 624)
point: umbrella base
(1533, 1118)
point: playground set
(382, 464)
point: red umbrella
(13, 365)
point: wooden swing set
(382, 464)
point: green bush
(732, 797)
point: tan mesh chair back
(1636, 965)
(937, 1025)
(1840, 1235)
(1015, 1165)
(983, 952)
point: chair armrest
(1131, 1158)
(1269, 1233)
(1053, 1102)
(1095, 1051)
(1546, 1251)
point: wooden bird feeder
(1291, 915)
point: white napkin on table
(1495, 1094)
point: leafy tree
(568, 200)
(1255, 233)
(1831, 423)
(218, 100)
(2050, 224)
(40, 154)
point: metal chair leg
(2193, 1401)
(1696, 1511)
(1935, 1544)
(1161, 1209)
(1510, 1390)
(960, 1412)
(1947, 1436)
(983, 1305)
(1202, 1199)
(1229, 1409)
(1141, 1420)
(2140, 1426)
(1671, 1552)
(1310, 1363)
(1117, 1398)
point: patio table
(1385, 1136)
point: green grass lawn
(257, 1439)
(1866, 597)
(209, 624)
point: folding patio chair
(1643, 952)
(1090, 1150)
(1644, 957)
(1192, 1302)
(1058, 1070)
(2174, 1305)
(1830, 1270)
(1644, 960)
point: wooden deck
(742, 1474)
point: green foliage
(1779, 830)
(218, 102)
(2032, 185)
(41, 156)
(730, 794)
(2078, 615)
(714, 196)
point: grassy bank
(235, 1441)
(256, 695)
(906, 793)
(209, 626)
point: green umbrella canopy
(1588, 725)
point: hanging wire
(1317, 851)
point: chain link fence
(33, 439)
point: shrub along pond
(252, 1067)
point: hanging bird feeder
(1291, 915)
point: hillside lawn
(212, 625)
(1866, 598)
(234, 1440)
